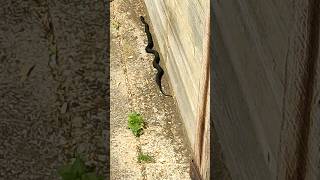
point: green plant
(135, 123)
(78, 171)
(144, 158)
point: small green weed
(78, 171)
(144, 158)
(135, 123)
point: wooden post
(200, 164)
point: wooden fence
(181, 30)
(266, 88)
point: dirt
(53, 86)
(133, 88)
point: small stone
(161, 160)
(130, 57)
(155, 110)
(64, 108)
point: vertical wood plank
(178, 27)
(202, 142)
(253, 39)
(266, 76)
(313, 158)
(298, 101)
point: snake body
(156, 59)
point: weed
(135, 123)
(78, 171)
(144, 158)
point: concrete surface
(52, 87)
(133, 89)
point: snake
(156, 60)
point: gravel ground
(133, 89)
(53, 86)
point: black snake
(156, 59)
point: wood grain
(299, 94)
(202, 141)
(265, 88)
(179, 27)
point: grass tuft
(136, 123)
(144, 158)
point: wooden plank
(180, 41)
(251, 53)
(313, 158)
(159, 28)
(299, 106)
(202, 142)
(194, 171)
(266, 113)
(233, 123)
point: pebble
(64, 108)
(155, 109)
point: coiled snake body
(156, 59)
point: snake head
(142, 18)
